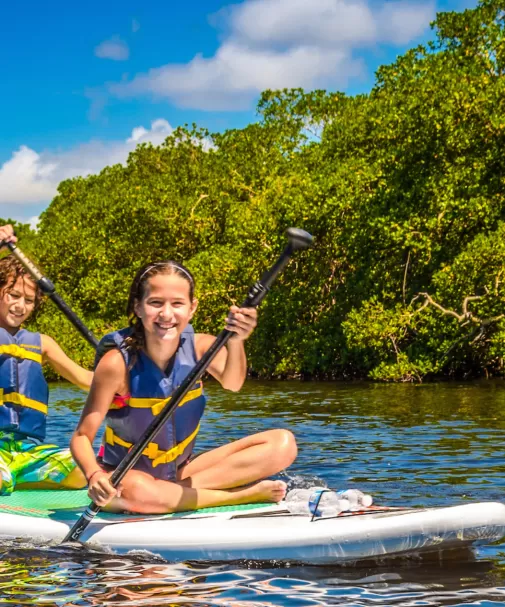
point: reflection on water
(406, 445)
(31, 580)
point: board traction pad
(69, 505)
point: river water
(405, 445)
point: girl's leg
(146, 495)
(242, 462)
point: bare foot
(264, 491)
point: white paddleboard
(256, 532)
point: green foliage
(24, 233)
(403, 369)
(403, 190)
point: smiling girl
(136, 370)
(25, 462)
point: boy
(26, 463)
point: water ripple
(406, 445)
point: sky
(83, 83)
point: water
(405, 445)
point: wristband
(93, 474)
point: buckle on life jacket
(191, 395)
(19, 352)
(155, 404)
(15, 398)
(153, 451)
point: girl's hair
(136, 341)
(10, 270)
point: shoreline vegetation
(403, 190)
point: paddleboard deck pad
(257, 532)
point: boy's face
(16, 303)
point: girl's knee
(144, 494)
(285, 446)
(137, 488)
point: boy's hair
(10, 270)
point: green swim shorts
(26, 461)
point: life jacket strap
(152, 451)
(155, 404)
(20, 352)
(14, 398)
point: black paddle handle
(298, 239)
(48, 288)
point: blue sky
(84, 82)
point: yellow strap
(192, 394)
(175, 452)
(20, 399)
(30, 346)
(19, 352)
(113, 439)
(156, 405)
(152, 451)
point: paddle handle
(48, 288)
(298, 239)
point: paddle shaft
(48, 288)
(298, 240)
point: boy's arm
(63, 365)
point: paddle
(47, 287)
(298, 239)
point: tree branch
(405, 277)
(478, 330)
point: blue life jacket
(23, 388)
(128, 418)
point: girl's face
(166, 308)
(17, 303)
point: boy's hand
(241, 321)
(7, 234)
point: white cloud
(25, 167)
(34, 222)
(401, 22)
(293, 22)
(235, 74)
(29, 178)
(329, 23)
(283, 43)
(115, 49)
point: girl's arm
(229, 366)
(63, 365)
(109, 379)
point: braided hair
(136, 341)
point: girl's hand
(100, 490)
(7, 234)
(241, 321)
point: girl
(136, 371)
